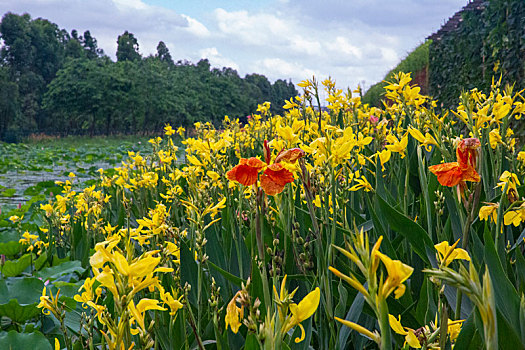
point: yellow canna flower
(303, 311)
(514, 217)
(168, 130)
(427, 140)
(494, 138)
(384, 156)
(454, 327)
(137, 312)
(363, 183)
(410, 337)
(447, 254)
(511, 179)
(234, 314)
(397, 274)
(396, 145)
(489, 210)
(57, 344)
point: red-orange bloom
(452, 174)
(274, 178)
(246, 171)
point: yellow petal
(395, 324)
(303, 334)
(307, 306)
(412, 340)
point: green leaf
(505, 295)
(232, 278)
(13, 268)
(55, 272)
(415, 234)
(14, 340)
(468, 337)
(19, 298)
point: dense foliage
(415, 62)
(55, 82)
(324, 229)
(490, 40)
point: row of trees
(53, 81)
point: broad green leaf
(13, 268)
(506, 296)
(19, 298)
(415, 234)
(14, 340)
(55, 272)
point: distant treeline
(56, 82)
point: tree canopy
(56, 82)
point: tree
(163, 54)
(128, 47)
(73, 47)
(90, 46)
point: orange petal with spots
(274, 178)
(448, 174)
(246, 171)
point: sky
(352, 41)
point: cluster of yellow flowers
(146, 207)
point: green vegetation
(60, 83)
(490, 40)
(30, 169)
(415, 61)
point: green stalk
(424, 190)
(260, 247)
(384, 325)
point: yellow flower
(448, 253)
(521, 156)
(234, 314)
(57, 344)
(489, 210)
(427, 140)
(396, 145)
(87, 295)
(363, 183)
(397, 274)
(511, 179)
(384, 156)
(454, 327)
(15, 218)
(494, 138)
(303, 311)
(410, 336)
(514, 217)
(138, 311)
(48, 208)
(168, 130)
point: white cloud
(216, 59)
(279, 68)
(351, 41)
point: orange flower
(454, 173)
(466, 152)
(246, 171)
(274, 178)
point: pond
(27, 170)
